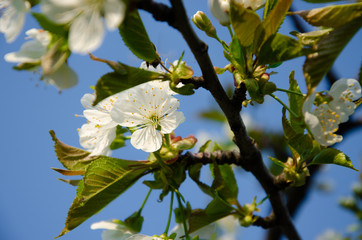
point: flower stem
(144, 201)
(169, 214)
(187, 237)
(230, 31)
(280, 101)
(289, 91)
(167, 139)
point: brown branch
(252, 159)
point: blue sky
(34, 204)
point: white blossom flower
(322, 122)
(220, 8)
(344, 92)
(100, 131)
(86, 30)
(13, 17)
(33, 51)
(151, 111)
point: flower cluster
(32, 53)
(220, 8)
(148, 110)
(323, 121)
(86, 30)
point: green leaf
(105, 180)
(269, 5)
(214, 211)
(194, 173)
(277, 162)
(253, 90)
(244, 22)
(114, 82)
(333, 156)
(74, 183)
(318, 64)
(134, 35)
(50, 26)
(237, 52)
(295, 104)
(72, 158)
(214, 115)
(332, 16)
(281, 48)
(205, 146)
(311, 38)
(228, 189)
(289, 132)
(271, 23)
(187, 89)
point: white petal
(64, 77)
(346, 88)
(12, 19)
(98, 117)
(30, 52)
(115, 235)
(105, 225)
(61, 11)
(96, 138)
(86, 32)
(141, 237)
(147, 139)
(114, 11)
(87, 100)
(171, 122)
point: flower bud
(184, 143)
(204, 24)
(180, 71)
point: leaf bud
(204, 24)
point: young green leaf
(269, 5)
(215, 210)
(295, 104)
(237, 52)
(72, 158)
(134, 35)
(271, 23)
(114, 82)
(318, 64)
(332, 16)
(244, 22)
(281, 48)
(333, 156)
(106, 178)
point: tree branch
(251, 159)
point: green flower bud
(183, 143)
(204, 24)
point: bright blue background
(34, 204)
